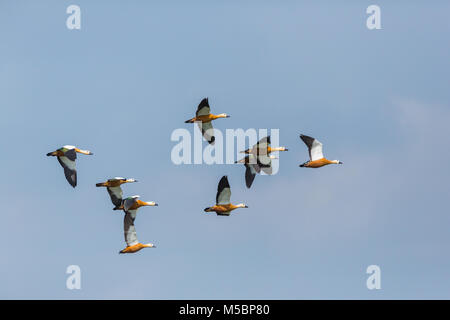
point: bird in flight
(113, 186)
(223, 206)
(203, 118)
(66, 157)
(316, 158)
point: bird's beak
(51, 154)
(131, 180)
(286, 149)
(340, 162)
(227, 116)
(246, 207)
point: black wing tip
(223, 183)
(212, 140)
(249, 178)
(204, 102)
(305, 136)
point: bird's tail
(303, 164)
(189, 121)
(101, 184)
(209, 209)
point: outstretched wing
(207, 131)
(250, 174)
(203, 108)
(68, 163)
(314, 147)
(116, 195)
(129, 229)
(223, 191)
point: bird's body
(266, 151)
(316, 158)
(115, 191)
(130, 207)
(206, 118)
(318, 163)
(223, 207)
(262, 147)
(137, 247)
(66, 157)
(203, 118)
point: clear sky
(378, 100)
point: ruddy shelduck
(113, 186)
(316, 158)
(223, 206)
(203, 118)
(254, 166)
(66, 157)
(130, 207)
(262, 147)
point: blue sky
(377, 99)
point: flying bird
(66, 157)
(130, 207)
(253, 166)
(262, 150)
(203, 117)
(114, 190)
(316, 158)
(223, 206)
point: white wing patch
(316, 150)
(67, 162)
(129, 229)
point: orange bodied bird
(203, 118)
(223, 206)
(316, 157)
(66, 157)
(130, 207)
(114, 190)
(262, 147)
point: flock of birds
(257, 159)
